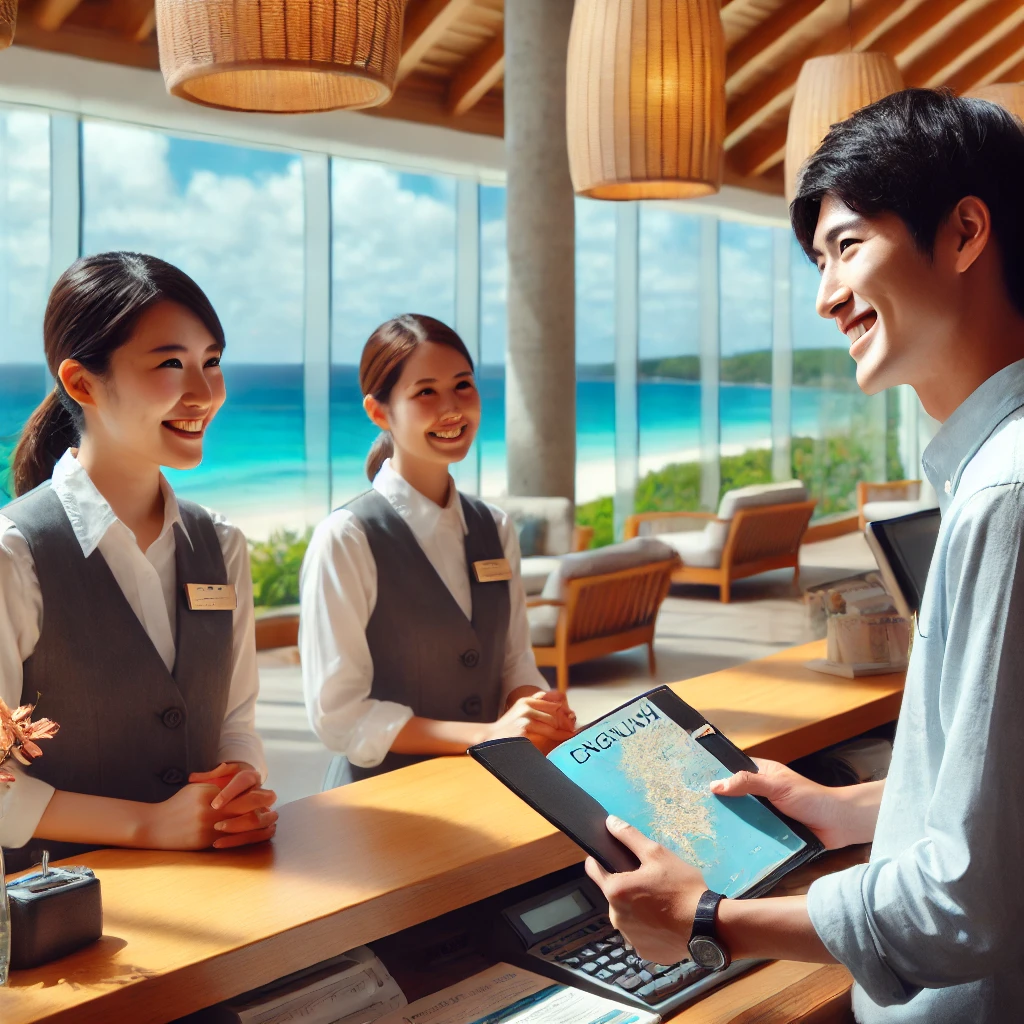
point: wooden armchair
(890, 490)
(758, 539)
(277, 629)
(601, 614)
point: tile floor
(696, 634)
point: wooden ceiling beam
(934, 66)
(424, 26)
(89, 43)
(923, 20)
(753, 50)
(775, 93)
(51, 14)
(759, 155)
(990, 65)
(479, 75)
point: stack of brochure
(354, 988)
(509, 995)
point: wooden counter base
(183, 931)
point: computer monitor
(903, 548)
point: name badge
(211, 597)
(492, 570)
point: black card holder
(53, 915)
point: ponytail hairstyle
(384, 357)
(92, 312)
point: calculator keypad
(597, 951)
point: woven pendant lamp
(645, 104)
(8, 18)
(280, 56)
(829, 90)
(1008, 95)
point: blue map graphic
(646, 769)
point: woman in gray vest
(128, 611)
(413, 636)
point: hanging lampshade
(280, 56)
(645, 104)
(1009, 95)
(829, 90)
(8, 18)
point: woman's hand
(838, 816)
(654, 905)
(244, 806)
(542, 717)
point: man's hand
(243, 807)
(838, 816)
(654, 905)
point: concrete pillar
(540, 383)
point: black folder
(518, 764)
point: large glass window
(838, 432)
(24, 267)
(745, 321)
(669, 355)
(393, 251)
(232, 218)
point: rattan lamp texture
(645, 104)
(828, 90)
(8, 18)
(280, 56)
(1009, 95)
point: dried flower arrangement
(18, 736)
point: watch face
(706, 953)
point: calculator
(565, 934)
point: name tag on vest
(492, 570)
(211, 597)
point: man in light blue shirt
(914, 213)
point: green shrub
(600, 515)
(275, 567)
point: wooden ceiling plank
(752, 51)
(478, 77)
(933, 67)
(989, 66)
(925, 19)
(424, 26)
(93, 45)
(145, 27)
(761, 154)
(51, 14)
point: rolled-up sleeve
(947, 909)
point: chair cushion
(876, 510)
(535, 573)
(614, 558)
(559, 513)
(702, 550)
(532, 532)
(543, 620)
(786, 492)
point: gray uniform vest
(426, 653)
(128, 728)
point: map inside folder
(647, 769)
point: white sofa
(558, 516)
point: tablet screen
(903, 549)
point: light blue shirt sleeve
(941, 904)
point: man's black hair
(916, 154)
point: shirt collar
(972, 423)
(90, 514)
(416, 507)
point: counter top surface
(185, 930)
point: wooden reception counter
(186, 930)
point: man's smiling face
(889, 299)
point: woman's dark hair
(916, 154)
(92, 311)
(384, 357)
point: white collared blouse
(339, 593)
(148, 580)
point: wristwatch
(706, 949)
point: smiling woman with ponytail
(96, 553)
(406, 652)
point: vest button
(472, 705)
(173, 717)
(470, 658)
(172, 776)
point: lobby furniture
(757, 529)
(599, 602)
(891, 498)
(277, 629)
(185, 930)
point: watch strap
(704, 916)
